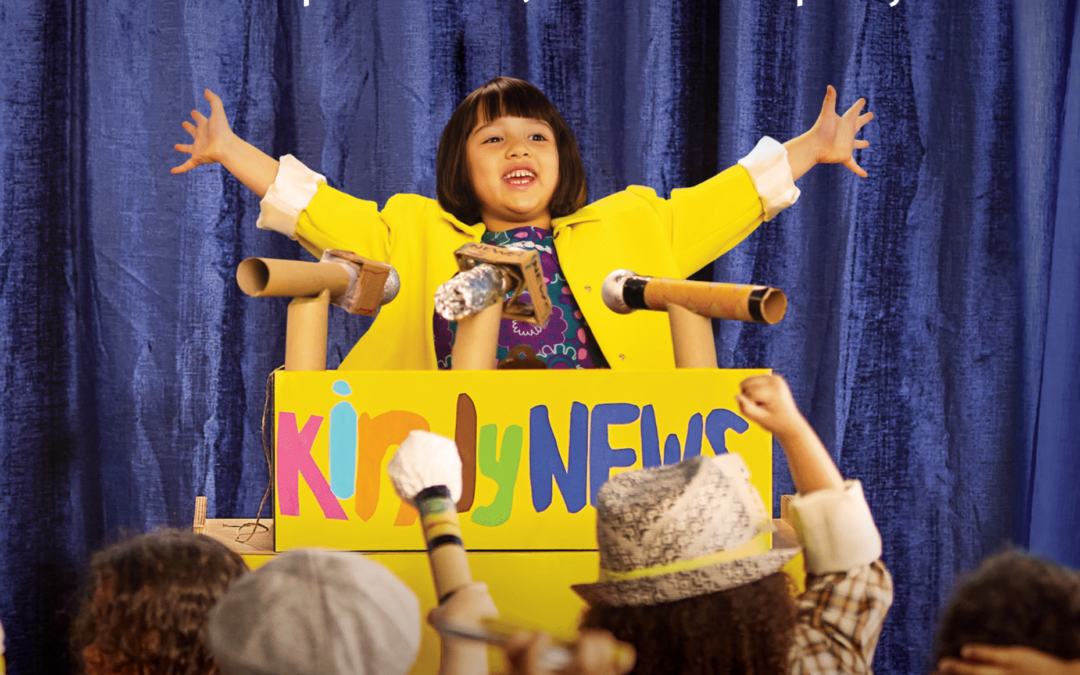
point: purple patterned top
(566, 341)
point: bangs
(511, 98)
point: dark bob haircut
(145, 604)
(1013, 599)
(504, 97)
(746, 629)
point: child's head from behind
(684, 559)
(146, 602)
(505, 97)
(315, 612)
(688, 635)
(1013, 599)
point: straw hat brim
(653, 590)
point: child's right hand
(767, 401)
(210, 139)
(996, 660)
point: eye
(537, 137)
(492, 139)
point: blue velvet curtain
(930, 337)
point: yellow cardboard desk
(536, 447)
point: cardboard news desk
(536, 447)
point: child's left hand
(831, 140)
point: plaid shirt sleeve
(840, 618)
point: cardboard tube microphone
(474, 298)
(426, 472)
(624, 291)
(357, 285)
(486, 275)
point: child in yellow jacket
(509, 173)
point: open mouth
(520, 178)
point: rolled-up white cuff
(836, 529)
(768, 166)
(293, 189)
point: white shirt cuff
(292, 190)
(768, 166)
(836, 529)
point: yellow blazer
(633, 229)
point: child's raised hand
(767, 401)
(834, 136)
(210, 137)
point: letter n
(546, 464)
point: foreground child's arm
(468, 606)
(848, 590)
(213, 141)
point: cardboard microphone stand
(692, 338)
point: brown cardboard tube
(305, 332)
(692, 338)
(449, 569)
(446, 551)
(267, 277)
(476, 340)
(741, 302)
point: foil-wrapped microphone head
(612, 291)
(393, 285)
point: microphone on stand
(625, 291)
(487, 273)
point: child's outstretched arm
(214, 141)
(848, 590)
(468, 606)
(831, 140)
(767, 400)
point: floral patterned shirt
(565, 342)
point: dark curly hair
(1013, 599)
(504, 97)
(145, 602)
(747, 629)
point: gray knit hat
(681, 531)
(315, 612)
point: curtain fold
(931, 335)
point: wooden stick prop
(426, 472)
(357, 285)
(624, 291)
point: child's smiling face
(514, 170)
